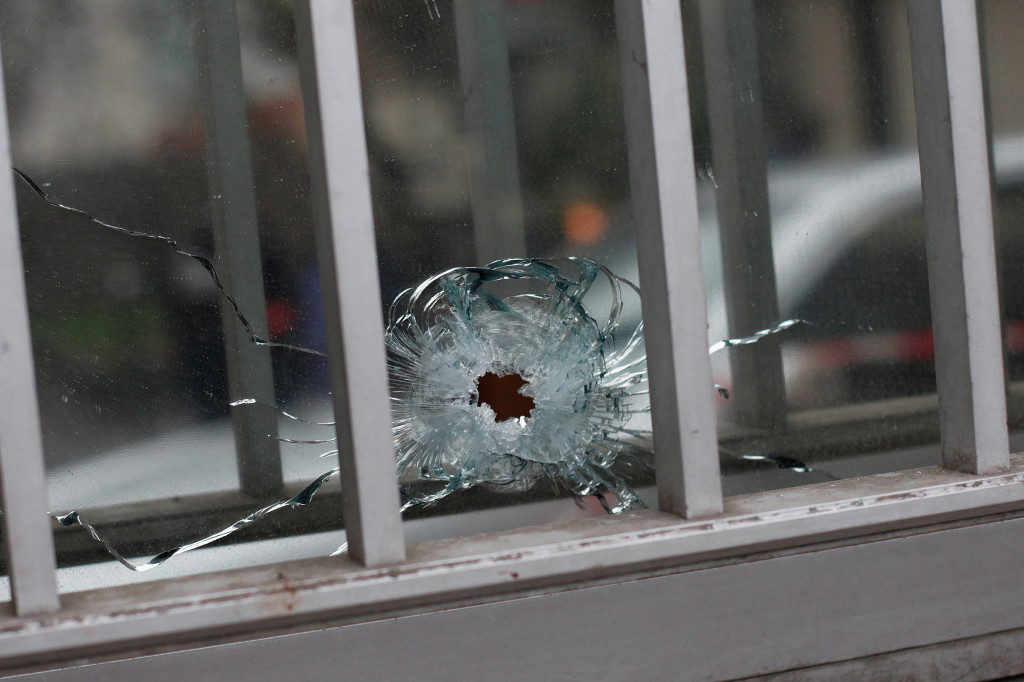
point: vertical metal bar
(729, 37)
(957, 185)
(236, 244)
(490, 129)
(664, 198)
(28, 537)
(343, 222)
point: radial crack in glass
(572, 361)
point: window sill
(447, 573)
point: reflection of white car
(849, 252)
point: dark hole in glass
(501, 393)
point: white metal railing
(347, 255)
(956, 176)
(27, 535)
(735, 117)
(956, 180)
(664, 188)
(236, 245)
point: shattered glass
(576, 405)
(501, 391)
(546, 383)
(126, 309)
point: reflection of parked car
(849, 251)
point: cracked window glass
(1001, 23)
(501, 189)
(135, 210)
(173, 286)
(174, 293)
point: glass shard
(73, 518)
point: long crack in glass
(546, 383)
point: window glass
(127, 322)
(496, 132)
(816, 131)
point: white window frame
(917, 567)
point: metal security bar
(236, 245)
(664, 190)
(27, 535)
(957, 185)
(495, 192)
(343, 222)
(740, 172)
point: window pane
(135, 385)
(496, 132)
(829, 82)
(127, 321)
